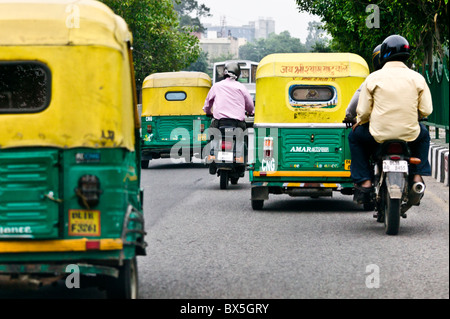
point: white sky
(240, 12)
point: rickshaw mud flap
(260, 193)
(58, 269)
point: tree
(186, 8)
(190, 12)
(316, 41)
(201, 65)
(160, 43)
(282, 43)
(423, 23)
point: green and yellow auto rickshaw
(301, 146)
(174, 124)
(70, 195)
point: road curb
(438, 158)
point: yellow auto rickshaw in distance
(173, 121)
(301, 145)
(70, 197)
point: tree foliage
(160, 43)
(281, 43)
(424, 23)
(317, 41)
(190, 13)
(201, 65)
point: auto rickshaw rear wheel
(144, 163)
(257, 204)
(126, 286)
(234, 180)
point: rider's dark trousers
(216, 123)
(362, 146)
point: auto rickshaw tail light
(149, 128)
(268, 146)
(202, 128)
(92, 245)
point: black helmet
(232, 67)
(394, 48)
(376, 58)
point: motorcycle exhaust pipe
(416, 193)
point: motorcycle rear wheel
(392, 215)
(224, 179)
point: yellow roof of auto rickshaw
(312, 65)
(61, 22)
(177, 79)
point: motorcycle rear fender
(396, 183)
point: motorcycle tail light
(227, 146)
(268, 146)
(395, 157)
(149, 128)
(88, 191)
(395, 148)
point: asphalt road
(207, 243)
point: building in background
(226, 40)
(216, 47)
(264, 27)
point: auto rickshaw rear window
(25, 87)
(312, 96)
(176, 96)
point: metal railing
(438, 82)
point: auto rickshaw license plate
(84, 222)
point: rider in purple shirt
(229, 99)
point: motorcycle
(395, 191)
(228, 153)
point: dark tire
(257, 204)
(144, 164)
(368, 207)
(126, 286)
(234, 180)
(224, 179)
(392, 215)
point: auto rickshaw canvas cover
(87, 65)
(195, 85)
(277, 72)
